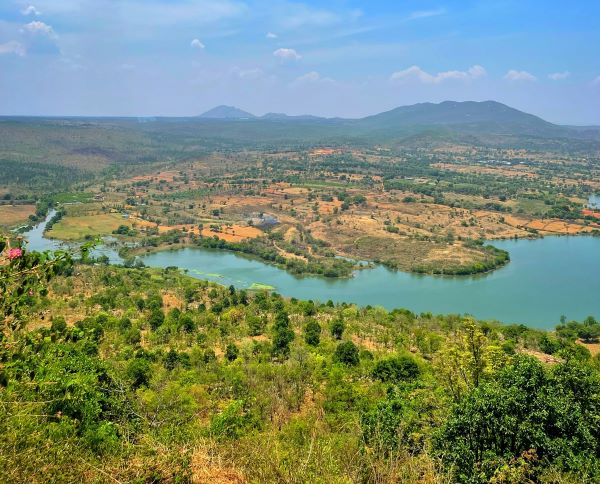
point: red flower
(14, 253)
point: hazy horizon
(257, 116)
(335, 59)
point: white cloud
(31, 10)
(514, 75)
(559, 76)
(416, 73)
(271, 35)
(196, 44)
(426, 13)
(312, 77)
(37, 27)
(13, 47)
(287, 54)
(248, 74)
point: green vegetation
(495, 258)
(316, 262)
(156, 376)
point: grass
(15, 214)
(78, 228)
(531, 207)
(259, 286)
(72, 197)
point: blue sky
(336, 58)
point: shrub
(312, 333)
(231, 352)
(337, 329)
(283, 335)
(156, 319)
(138, 372)
(59, 325)
(346, 353)
(396, 369)
(526, 407)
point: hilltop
(226, 112)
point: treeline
(266, 251)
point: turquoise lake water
(545, 279)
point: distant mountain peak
(226, 112)
(283, 116)
(456, 113)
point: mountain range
(487, 122)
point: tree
(186, 323)
(525, 408)
(171, 359)
(156, 319)
(312, 333)
(138, 372)
(231, 352)
(24, 276)
(396, 369)
(337, 328)
(346, 353)
(59, 325)
(256, 325)
(282, 336)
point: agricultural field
(305, 207)
(86, 226)
(12, 215)
(434, 209)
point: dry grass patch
(15, 214)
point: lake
(545, 279)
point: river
(545, 279)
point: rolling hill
(226, 112)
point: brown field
(15, 214)
(167, 176)
(592, 213)
(324, 152)
(510, 171)
(233, 233)
(549, 226)
(405, 234)
(594, 348)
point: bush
(337, 329)
(346, 353)
(283, 335)
(156, 319)
(59, 325)
(526, 407)
(233, 422)
(138, 372)
(312, 333)
(396, 369)
(231, 352)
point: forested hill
(143, 375)
(142, 139)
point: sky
(337, 58)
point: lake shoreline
(547, 277)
